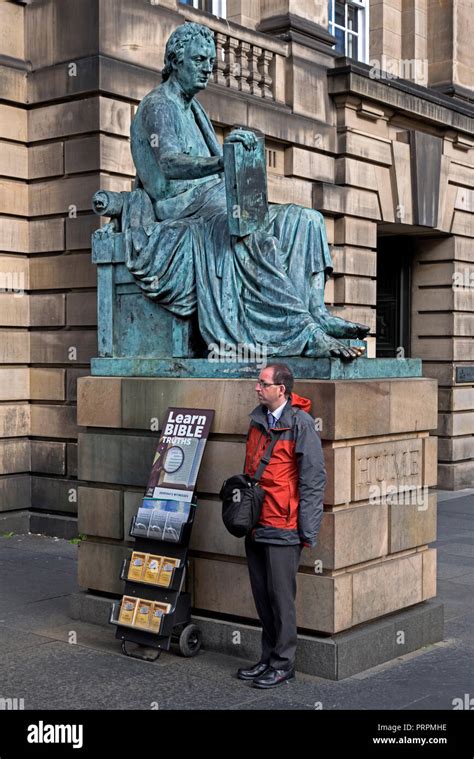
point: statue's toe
(362, 330)
(345, 352)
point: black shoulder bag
(242, 498)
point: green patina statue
(265, 288)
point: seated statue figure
(265, 288)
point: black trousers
(272, 570)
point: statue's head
(190, 56)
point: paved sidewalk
(42, 666)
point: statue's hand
(247, 138)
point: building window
(215, 7)
(348, 22)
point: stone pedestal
(373, 556)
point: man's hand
(247, 138)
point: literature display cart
(155, 610)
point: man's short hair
(177, 42)
(282, 375)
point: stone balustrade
(247, 61)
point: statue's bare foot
(337, 327)
(324, 346)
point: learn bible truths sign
(167, 502)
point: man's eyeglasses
(267, 384)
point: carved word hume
(397, 463)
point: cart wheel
(190, 640)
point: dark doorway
(394, 256)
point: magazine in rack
(161, 520)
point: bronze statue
(264, 288)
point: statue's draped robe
(252, 291)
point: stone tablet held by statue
(246, 185)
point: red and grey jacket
(295, 477)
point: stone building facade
(381, 143)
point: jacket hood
(259, 414)
(299, 402)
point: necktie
(271, 420)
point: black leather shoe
(256, 671)
(273, 677)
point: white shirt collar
(278, 411)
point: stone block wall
(443, 320)
(15, 420)
(71, 76)
(376, 158)
(450, 51)
(373, 555)
(61, 141)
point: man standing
(294, 481)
